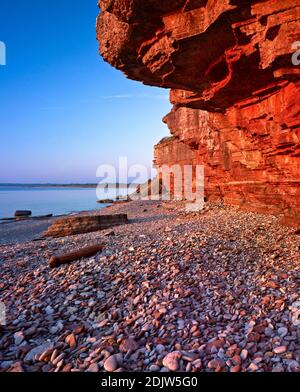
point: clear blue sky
(63, 110)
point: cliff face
(234, 88)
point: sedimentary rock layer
(232, 69)
(84, 224)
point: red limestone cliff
(234, 88)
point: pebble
(58, 359)
(253, 367)
(93, 368)
(280, 349)
(111, 364)
(71, 340)
(154, 368)
(282, 331)
(278, 368)
(128, 344)
(235, 369)
(269, 332)
(19, 337)
(215, 364)
(37, 351)
(46, 355)
(244, 354)
(160, 348)
(49, 310)
(171, 361)
(17, 368)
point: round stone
(171, 361)
(111, 364)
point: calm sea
(48, 200)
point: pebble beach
(215, 291)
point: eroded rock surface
(72, 225)
(234, 87)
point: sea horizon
(62, 184)
(55, 199)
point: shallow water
(48, 200)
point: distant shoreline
(91, 186)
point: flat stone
(280, 349)
(19, 338)
(282, 331)
(5, 364)
(154, 368)
(36, 351)
(72, 225)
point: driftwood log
(56, 261)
